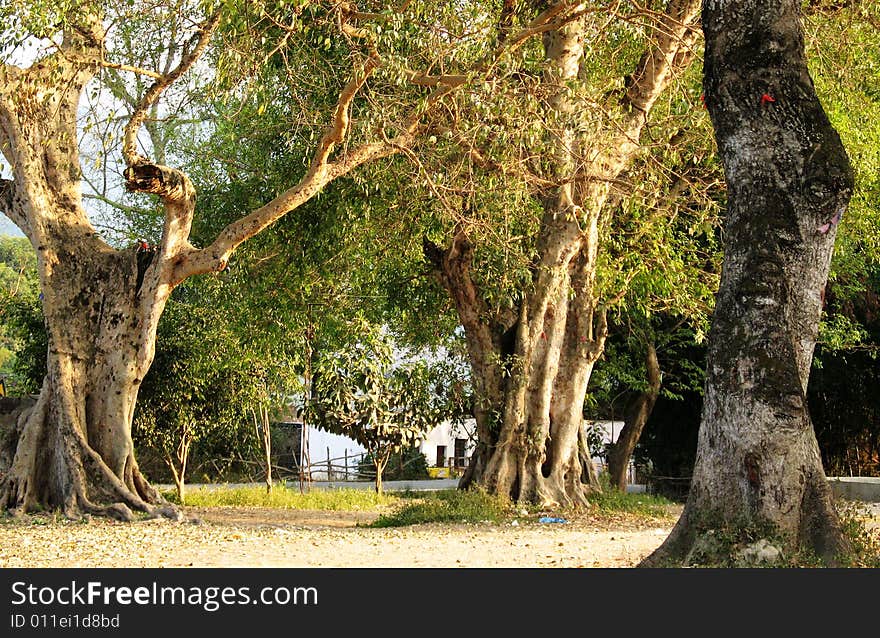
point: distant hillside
(8, 228)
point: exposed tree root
(567, 485)
(819, 533)
(58, 470)
(676, 546)
(17, 489)
(820, 528)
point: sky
(7, 228)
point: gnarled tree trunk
(74, 448)
(789, 181)
(531, 366)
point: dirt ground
(253, 537)
(256, 537)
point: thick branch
(179, 197)
(453, 269)
(423, 79)
(169, 184)
(199, 43)
(676, 34)
(485, 339)
(338, 129)
(321, 171)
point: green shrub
(448, 506)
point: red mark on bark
(824, 228)
(703, 99)
(767, 98)
(543, 335)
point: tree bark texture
(637, 413)
(789, 181)
(531, 366)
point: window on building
(460, 452)
(441, 455)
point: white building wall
(445, 435)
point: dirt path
(255, 537)
(252, 537)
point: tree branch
(113, 203)
(673, 49)
(321, 171)
(338, 129)
(423, 79)
(677, 32)
(452, 268)
(199, 42)
(131, 69)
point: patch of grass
(448, 506)
(647, 505)
(283, 497)
(864, 543)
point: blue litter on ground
(551, 519)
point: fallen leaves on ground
(258, 537)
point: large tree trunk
(74, 449)
(789, 181)
(531, 367)
(637, 413)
